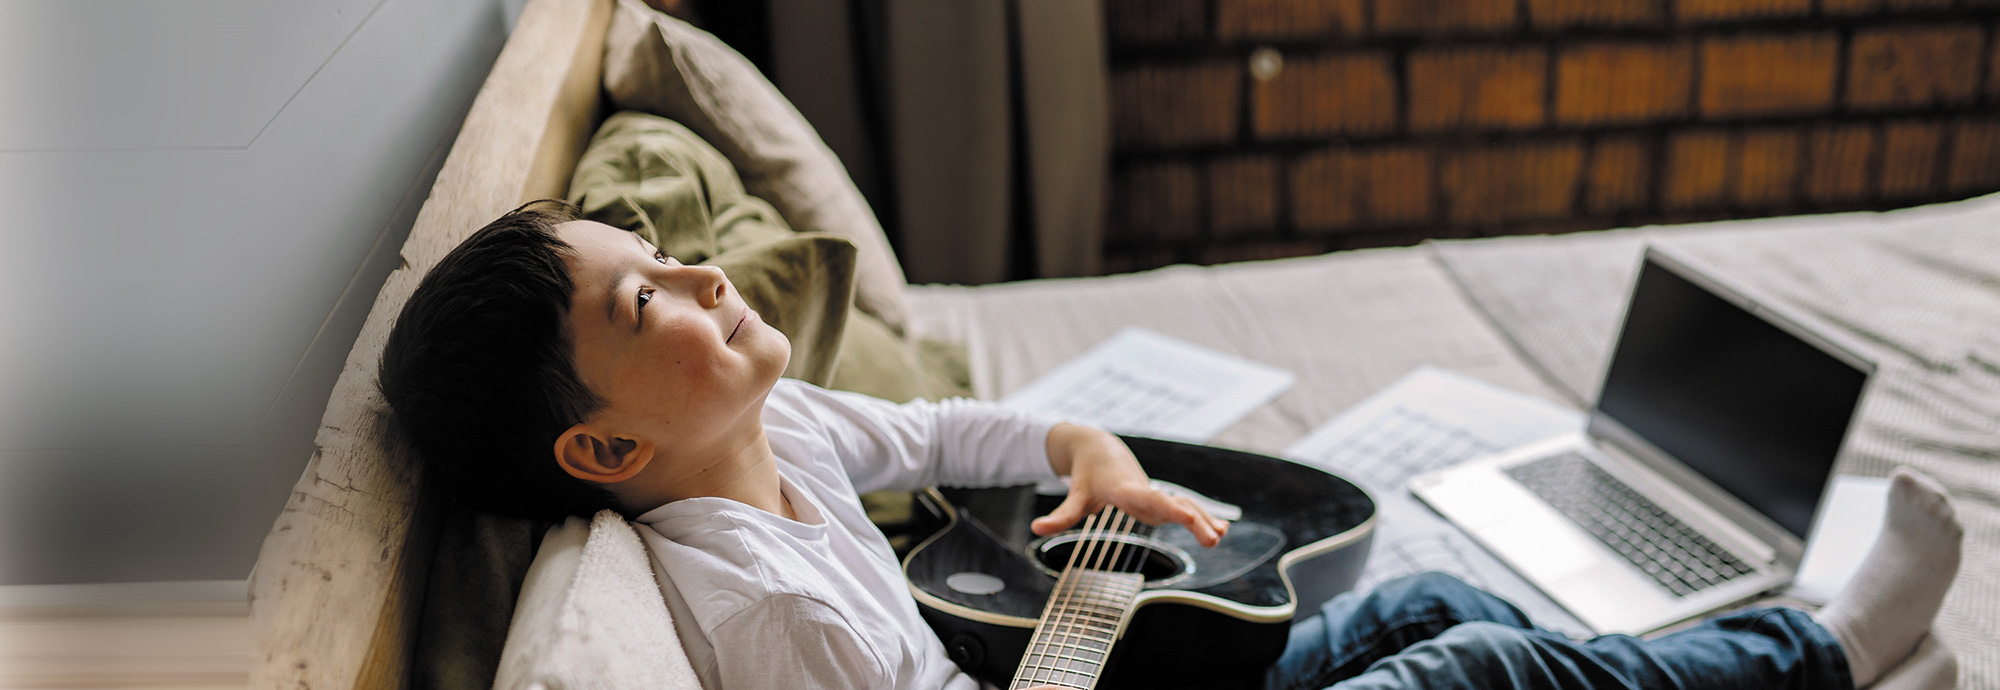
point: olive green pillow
(874, 360)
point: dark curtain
(977, 130)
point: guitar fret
(1076, 641)
(1100, 633)
(1078, 654)
(1072, 641)
(1049, 675)
(1078, 651)
(1094, 614)
(1051, 650)
(1099, 611)
(1100, 636)
(1043, 676)
(1062, 665)
(1103, 629)
(1061, 637)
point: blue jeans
(1433, 631)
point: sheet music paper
(1146, 384)
(1428, 420)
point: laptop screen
(1757, 410)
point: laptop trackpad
(1515, 525)
(1543, 550)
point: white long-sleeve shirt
(768, 602)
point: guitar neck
(1086, 612)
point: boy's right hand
(1102, 470)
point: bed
(339, 585)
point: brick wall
(1384, 122)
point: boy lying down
(550, 367)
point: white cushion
(591, 616)
(661, 65)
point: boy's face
(673, 350)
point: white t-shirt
(767, 602)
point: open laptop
(1709, 449)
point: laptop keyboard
(1680, 559)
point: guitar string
(1099, 595)
(1068, 615)
(1119, 550)
(1134, 560)
(1083, 611)
(1053, 614)
(1126, 522)
(1052, 606)
(1112, 597)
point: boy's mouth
(739, 326)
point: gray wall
(198, 200)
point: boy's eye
(645, 295)
(660, 256)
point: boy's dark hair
(479, 369)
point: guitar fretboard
(1083, 619)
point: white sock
(1887, 608)
(1931, 667)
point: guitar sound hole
(1159, 563)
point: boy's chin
(782, 345)
(780, 352)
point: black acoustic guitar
(1129, 605)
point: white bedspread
(1919, 287)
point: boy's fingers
(1157, 508)
(1149, 506)
(1187, 513)
(1198, 522)
(1062, 517)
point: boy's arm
(958, 442)
(1102, 470)
(962, 442)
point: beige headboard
(339, 583)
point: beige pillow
(592, 616)
(661, 65)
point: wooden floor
(125, 652)
(142, 635)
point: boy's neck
(745, 471)
(749, 476)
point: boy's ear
(589, 453)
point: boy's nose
(711, 285)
